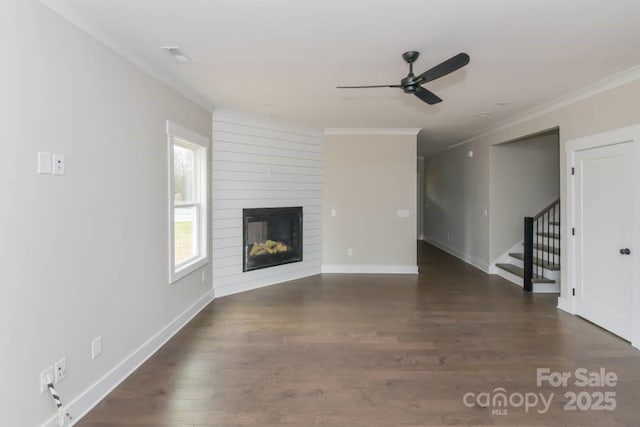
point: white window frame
(200, 144)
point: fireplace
(271, 236)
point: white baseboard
(538, 288)
(516, 280)
(370, 269)
(255, 284)
(86, 401)
(565, 305)
(480, 265)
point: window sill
(185, 270)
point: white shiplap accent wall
(262, 163)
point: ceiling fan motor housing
(408, 84)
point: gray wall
(459, 188)
(454, 206)
(84, 254)
(525, 178)
(367, 179)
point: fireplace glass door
(272, 236)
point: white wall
(525, 178)
(83, 254)
(368, 178)
(600, 108)
(263, 163)
(455, 203)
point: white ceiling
(283, 58)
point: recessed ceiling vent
(176, 54)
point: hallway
(373, 350)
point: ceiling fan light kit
(413, 84)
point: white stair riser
(538, 288)
(546, 288)
(549, 274)
(545, 255)
(552, 229)
(547, 241)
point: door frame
(420, 197)
(630, 134)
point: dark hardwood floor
(375, 350)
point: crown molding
(372, 131)
(627, 76)
(69, 12)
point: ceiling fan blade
(427, 96)
(364, 87)
(449, 66)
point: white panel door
(604, 210)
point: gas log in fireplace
(271, 236)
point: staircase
(536, 262)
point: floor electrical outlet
(60, 370)
(46, 377)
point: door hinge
(573, 231)
(574, 292)
(573, 171)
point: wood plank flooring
(373, 350)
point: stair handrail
(547, 208)
(533, 230)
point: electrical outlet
(349, 252)
(60, 370)
(58, 164)
(96, 347)
(46, 377)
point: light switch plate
(404, 213)
(45, 165)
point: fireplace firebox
(271, 236)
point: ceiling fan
(413, 84)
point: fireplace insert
(271, 236)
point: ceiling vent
(176, 54)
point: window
(188, 246)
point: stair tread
(537, 261)
(546, 248)
(513, 269)
(550, 235)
